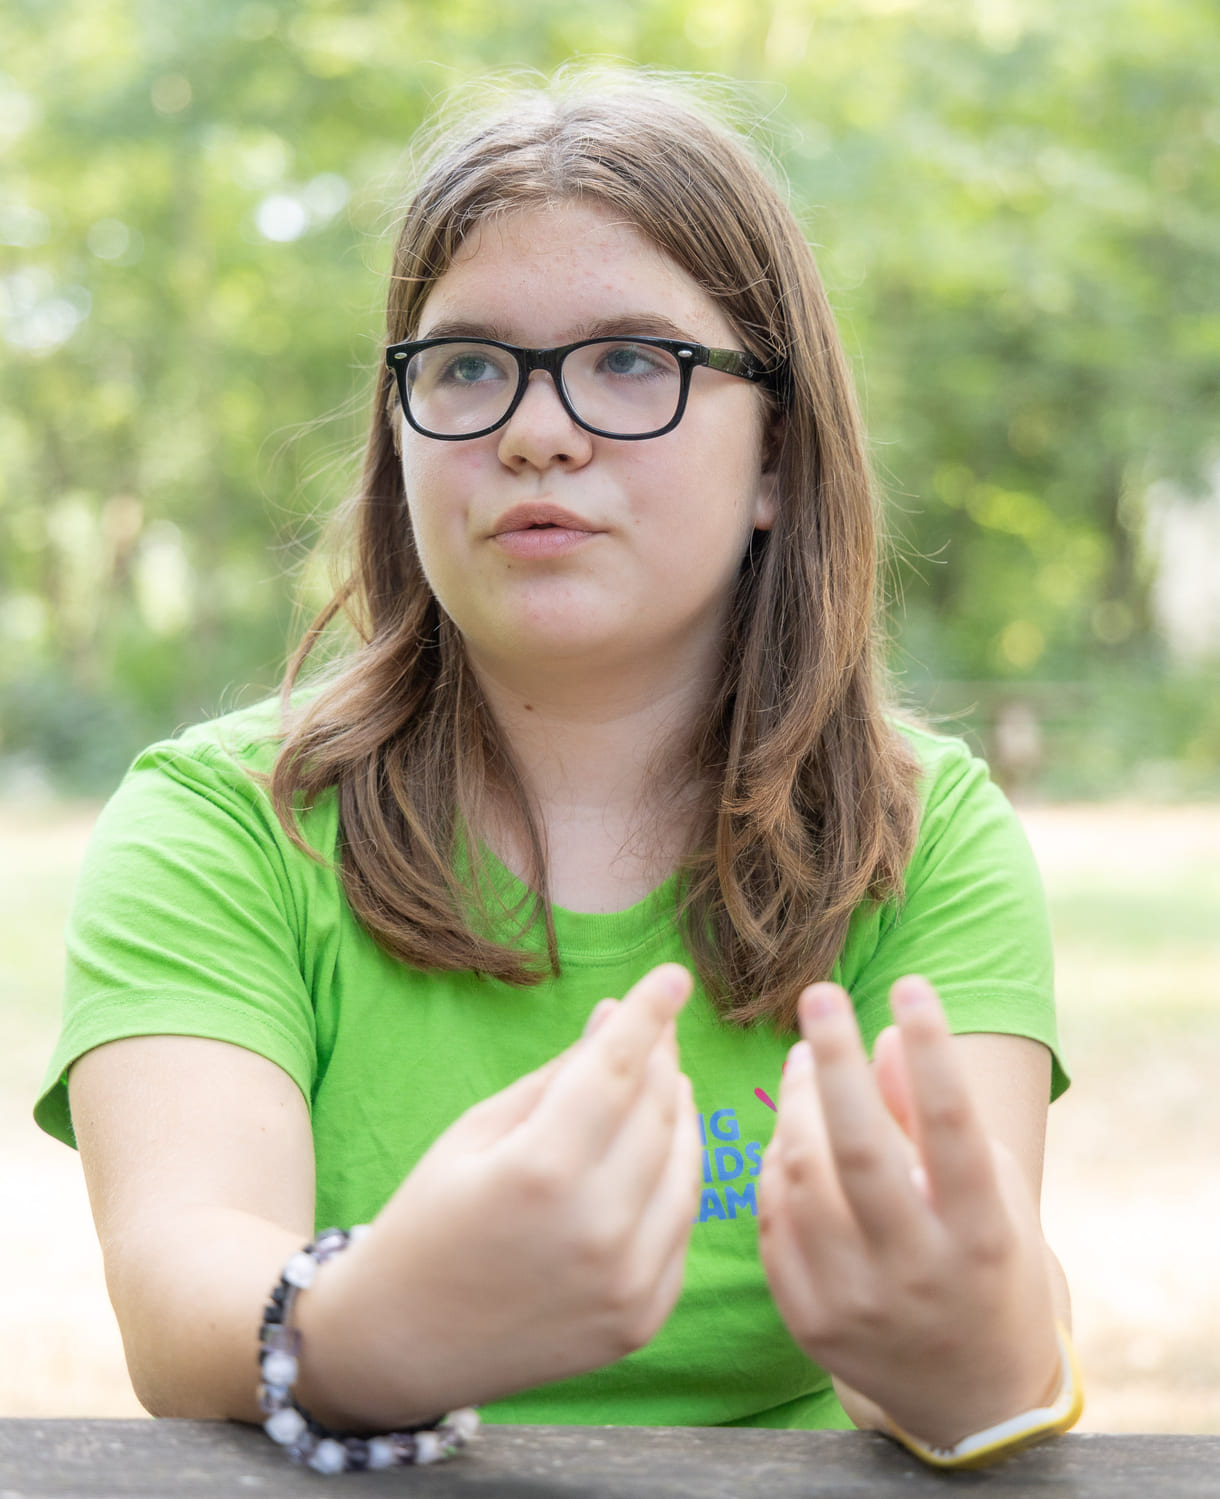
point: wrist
(299, 1430)
(1056, 1410)
(332, 1373)
(349, 1379)
(964, 1393)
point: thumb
(485, 1124)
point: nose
(540, 433)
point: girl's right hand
(542, 1235)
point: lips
(542, 533)
(538, 516)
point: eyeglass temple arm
(733, 363)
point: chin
(558, 641)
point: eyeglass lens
(617, 386)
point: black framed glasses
(628, 388)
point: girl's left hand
(902, 1245)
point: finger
(800, 1150)
(664, 1223)
(890, 1070)
(598, 1015)
(954, 1147)
(588, 1099)
(668, 1281)
(793, 1279)
(799, 1125)
(872, 1168)
(631, 1167)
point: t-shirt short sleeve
(187, 920)
(974, 918)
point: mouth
(539, 533)
(540, 516)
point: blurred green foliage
(1015, 205)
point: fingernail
(821, 1000)
(677, 980)
(800, 1059)
(910, 992)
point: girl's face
(639, 568)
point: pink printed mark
(759, 1094)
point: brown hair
(810, 804)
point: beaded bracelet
(293, 1428)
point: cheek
(702, 467)
(437, 477)
(723, 484)
(433, 522)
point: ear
(766, 500)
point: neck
(604, 760)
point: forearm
(541, 1236)
(188, 1291)
(190, 1301)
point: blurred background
(1015, 205)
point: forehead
(548, 275)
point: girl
(612, 726)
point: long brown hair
(809, 806)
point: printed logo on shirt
(730, 1165)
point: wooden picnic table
(79, 1459)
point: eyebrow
(639, 325)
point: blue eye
(627, 361)
(624, 361)
(469, 369)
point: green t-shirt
(195, 915)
